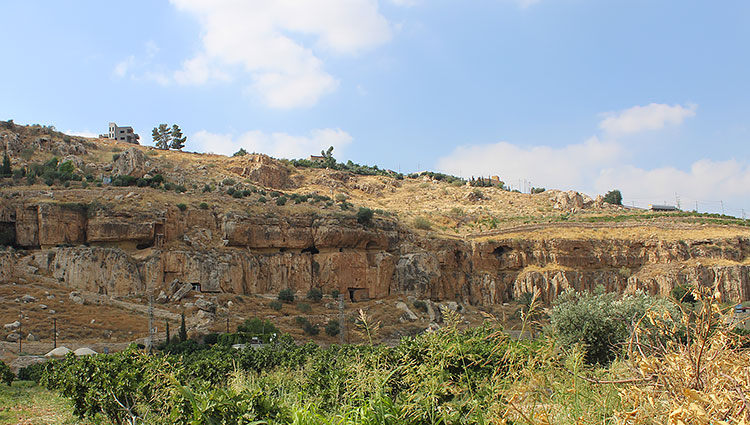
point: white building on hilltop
(124, 134)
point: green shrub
(229, 182)
(304, 307)
(256, 326)
(31, 372)
(307, 327)
(115, 157)
(276, 305)
(6, 375)
(286, 295)
(281, 200)
(364, 215)
(182, 207)
(315, 294)
(601, 320)
(333, 328)
(262, 200)
(335, 294)
(241, 152)
(206, 188)
(203, 206)
(422, 223)
(237, 194)
(340, 197)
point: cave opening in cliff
(8, 234)
(500, 250)
(144, 245)
(311, 249)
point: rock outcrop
(116, 253)
(261, 169)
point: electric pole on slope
(151, 322)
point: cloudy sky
(648, 96)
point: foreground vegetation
(645, 360)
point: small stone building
(124, 134)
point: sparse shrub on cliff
(341, 197)
(203, 206)
(333, 328)
(307, 327)
(286, 295)
(275, 305)
(230, 191)
(281, 200)
(229, 182)
(335, 294)
(182, 207)
(304, 307)
(237, 194)
(206, 188)
(314, 294)
(115, 157)
(262, 199)
(364, 215)
(345, 205)
(535, 190)
(422, 223)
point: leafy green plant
(286, 295)
(422, 223)
(275, 305)
(6, 375)
(182, 207)
(364, 215)
(333, 328)
(304, 307)
(314, 294)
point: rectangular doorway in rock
(357, 294)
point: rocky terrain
(191, 237)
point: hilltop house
(317, 158)
(124, 134)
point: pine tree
(162, 136)
(5, 170)
(178, 140)
(167, 333)
(183, 329)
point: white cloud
(123, 67)
(84, 133)
(595, 166)
(264, 39)
(567, 167)
(134, 67)
(707, 181)
(405, 3)
(644, 118)
(279, 145)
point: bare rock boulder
(131, 162)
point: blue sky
(651, 97)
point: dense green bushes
(6, 375)
(603, 321)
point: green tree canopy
(613, 197)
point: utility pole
(20, 330)
(54, 332)
(151, 323)
(342, 320)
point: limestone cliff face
(119, 254)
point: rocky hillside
(118, 220)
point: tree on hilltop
(613, 197)
(162, 136)
(178, 140)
